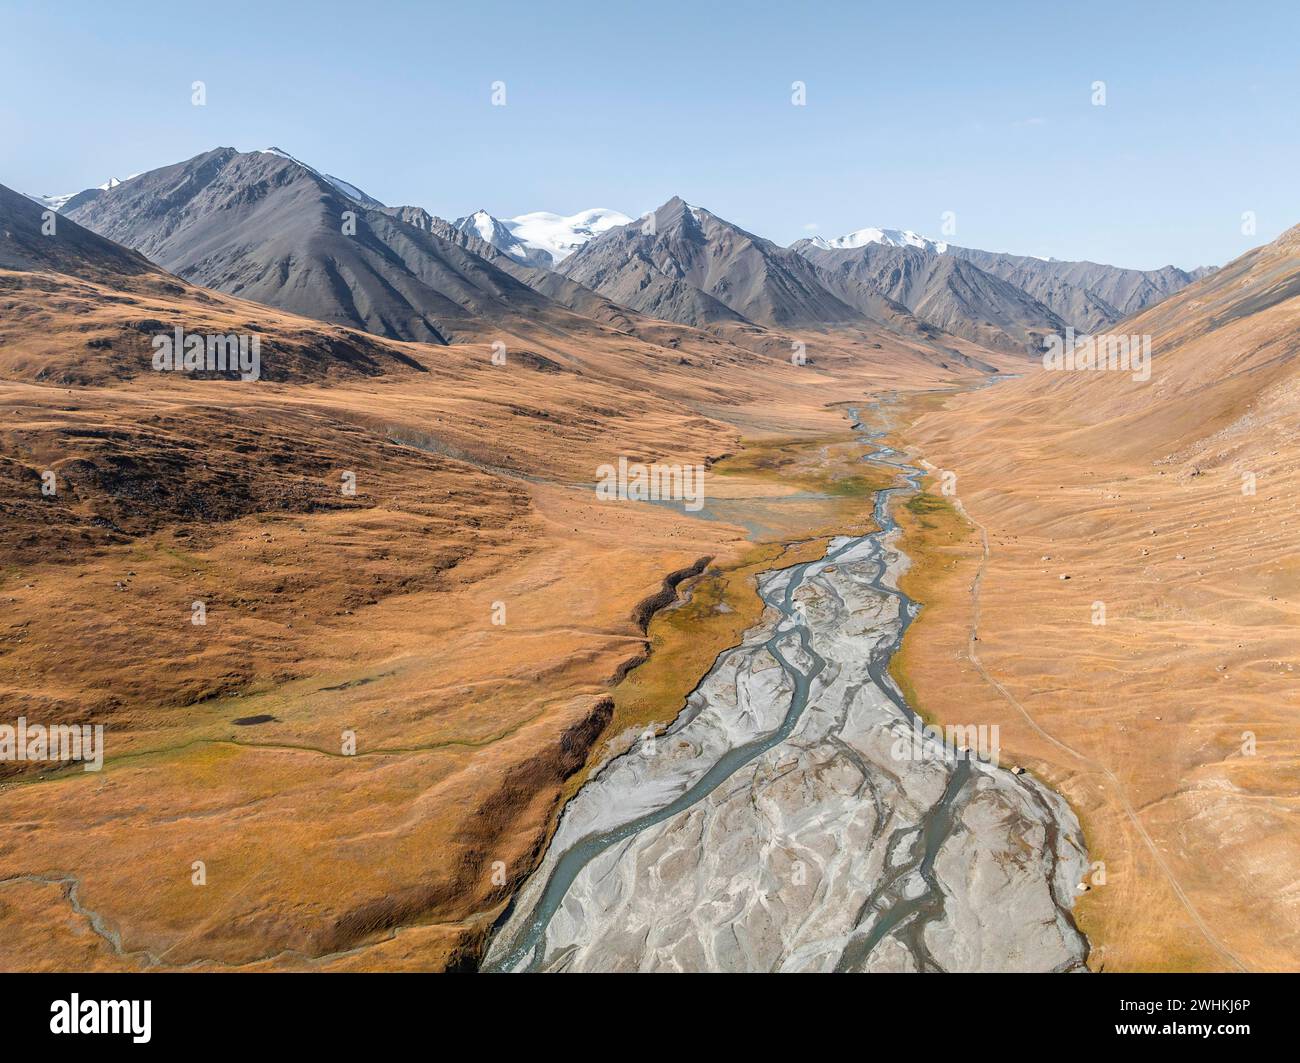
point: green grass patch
(925, 506)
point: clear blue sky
(913, 109)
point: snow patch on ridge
(888, 237)
(57, 203)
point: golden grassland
(942, 553)
(933, 670)
(371, 615)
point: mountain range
(1086, 296)
(268, 227)
(263, 226)
(686, 264)
(1008, 302)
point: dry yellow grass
(1169, 726)
(371, 614)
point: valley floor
(231, 829)
(354, 753)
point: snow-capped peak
(485, 227)
(889, 237)
(494, 231)
(560, 235)
(541, 238)
(349, 190)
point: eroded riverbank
(774, 825)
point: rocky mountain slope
(1006, 301)
(1088, 295)
(943, 290)
(76, 308)
(493, 232)
(263, 226)
(30, 241)
(268, 227)
(556, 287)
(686, 264)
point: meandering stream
(785, 820)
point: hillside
(1171, 504)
